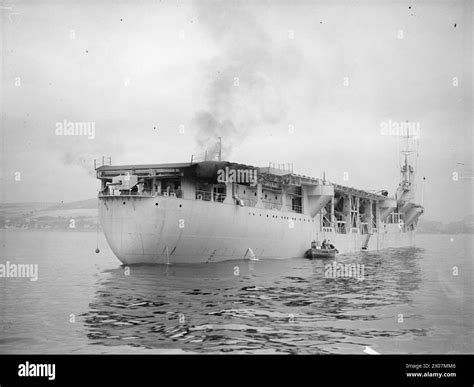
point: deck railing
(341, 227)
(145, 193)
(126, 193)
(200, 195)
(268, 205)
(298, 209)
(210, 196)
(203, 195)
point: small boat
(318, 251)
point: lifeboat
(321, 251)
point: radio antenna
(220, 148)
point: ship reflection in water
(274, 306)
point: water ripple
(183, 306)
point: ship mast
(406, 188)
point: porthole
(265, 196)
(180, 205)
(244, 192)
(123, 203)
(156, 204)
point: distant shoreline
(13, 229)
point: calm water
(82, 302)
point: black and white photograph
(237, 177)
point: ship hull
(160, 230)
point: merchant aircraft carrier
(214, 210)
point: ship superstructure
(211, 211)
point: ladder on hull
(365, 245)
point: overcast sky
(303, 82)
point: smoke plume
(245, 84)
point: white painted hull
(194, 231)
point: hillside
(464, 226)
(72, 216)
